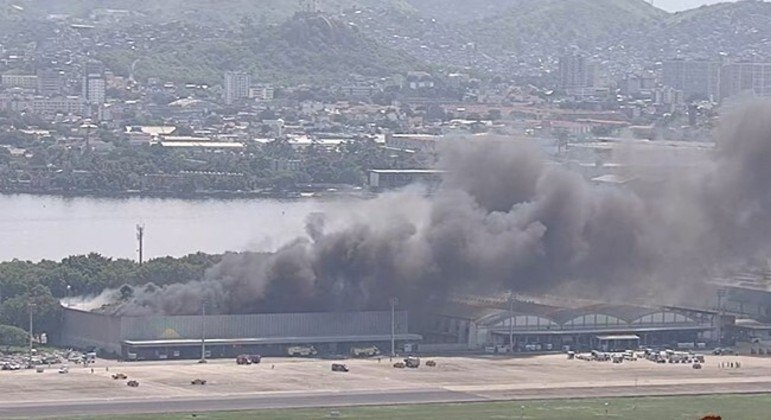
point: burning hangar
(180, 337)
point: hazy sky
(675, 5)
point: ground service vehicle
(399, 365)
(431, 363)
(64, 369)
(132, 384)
(304, 351)
(365, 351)
(198, 382)
(412, 362)
(339, 367)
(248, 359)
(117, 376)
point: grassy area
(728, 406)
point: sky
(677, 5)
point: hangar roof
(270, 340)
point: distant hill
(204, 11)
(550, 24)
(739, 30)
(460, 10)
(304, 48)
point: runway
(291, 383)
(252, 402)
(349, 399)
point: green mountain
(525, 24)
(204, 11)
(305, 48)
(739, 30)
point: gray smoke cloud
(505, 218)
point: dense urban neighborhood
(312, 97)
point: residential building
(236, 86)
(262, 93)
(697, 79)
(576, 71)
(419, 80)
(94, 84)
(753, 78)
(58, 105)
(50, 82)
(24, 81)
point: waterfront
(34, 227)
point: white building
(262, 93)
(236, 86)
(24, 81)
(94, 84)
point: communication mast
(140, 240)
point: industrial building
(487, 323)
(383, 179)
(181, 337)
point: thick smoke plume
(505, 218)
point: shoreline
(362, 194)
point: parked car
(198, 382)
(339, 367)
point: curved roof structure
(529, 316)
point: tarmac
(301, 383)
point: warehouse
(180, 337)
(486, 324)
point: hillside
(304, 48)
(210, 12)
(467, 11)
(554, 24)
(740, 29)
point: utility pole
(511, 321)
(394, 302)
(30, 305)
(720, 294)
(140, 240)
(203, 331)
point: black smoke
(505, 218)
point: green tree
(11, 336)
(45, 309)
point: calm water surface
(49, 227)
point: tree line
(275, 167)
(39, 288)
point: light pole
(394, 302)
(203, 332)
(30, 306)
(720, 294)
(69, 302)
(511, 322)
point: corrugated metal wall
(263, 325)
(84, 329)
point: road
(282, 400)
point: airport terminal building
(180, 337)
(485, 324)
